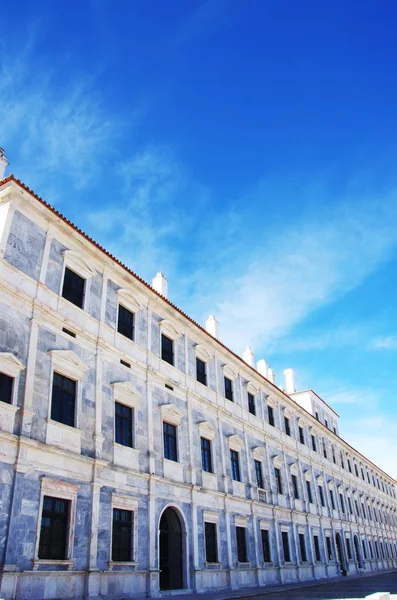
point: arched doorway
(170, 551)
(358, 553)
(340, 554)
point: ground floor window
(54, 528)
(241, 544)
(122, 535)
(211, 545)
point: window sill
(243, 565)
(56, 563)
(63, 436)
(7, 416)
(126, 456)
(213, 565)
(121, 563)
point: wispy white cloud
(353, 395)
(384, 343)
(56, 122)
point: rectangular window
(364, 550)
(350, 505)
(123, 424)
(241, 545)
(301, 435)
(228, 389)
(6, 384)
(251, 404)
(63, 405)
(321, 492)
(309, 491)
(279, 484)
(329, 548)
(302, 547)
(125, 322)
(356, 469)
(326, 423)
(349, 549)
(170, 446)
(201, 372)
(122, 535)
(270, 415)
(314, 443)
(73, 288)
(349, 465)
(317, 417)
(295, 486)
(331, 495)
(342, 502)
(287, 426)
(317, 548)
(234, 458)
(211, 545)
(286, 550)
(54, 528)
(266, 545)
(206, 458)
(167, 349)
(324, 449)
(258, 473)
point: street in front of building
(349, 589)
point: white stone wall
(35, 245)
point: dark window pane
(331, 495)
(342, 502)
(228, 389)
(201, 372)
(317, 547)
(286, 550)
(251, 404)
(6, 384)
(287, 426)
(321, 492)
(211, 549)
(302, 547)
(123, 424)
(265, 545)
(309, 491)
(241, 544)
(329, 548)
(63, 400)
(170, 450)
(206, 459)
(167, 349)
(270, 415)
(234, 458)
(258, 473)
(314, 443)
(73, 288)
(279, 485)
(54, 528)
(122, 535)
(301, 435)
(125, 323)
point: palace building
(139, 456)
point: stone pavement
(353, 587)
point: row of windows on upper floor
(63, 410)
(56, 536)
(73, 290)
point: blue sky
(246, 149)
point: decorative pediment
(313, 431)
(125, 393)
(308, 475)
(331, 485)
(294, 468)
(68, 363)
(171, 414)
(320, 479)
(301, 422)
(251, 388)
(203, 352)
(259, 452)
(206, 430)
(235, 442)
(129, 300)
(169, 329)
(10, 364)
(277, 461)
(78, 263)
(287, 412)
(356, 495)
(229, 372)
(340, 489)
(271, 402)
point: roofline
(319, 397)
(11, 178)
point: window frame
(302, 547)
(251, 403)
(266, 547)
(130, 337)
(207, 450)
(271, 416)
(213, 518)
(55, 375)
(11, 367)
(235, 465)
(242, 551)
(215, 549)
(203, 371)
(164, 336)
(228, 390)
(124, 419)
(317, 549)
(259, 474)
(124, 502)
(279, 480)
(70, 269)
(286, 546)
(171, 436)
(295, 486)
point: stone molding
(171, 414)
(206, 430)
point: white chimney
(3, 164)
(270, 375)
(212, 326)
(289, 381)
(160, 284)
(249, 357)
(261, 367)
